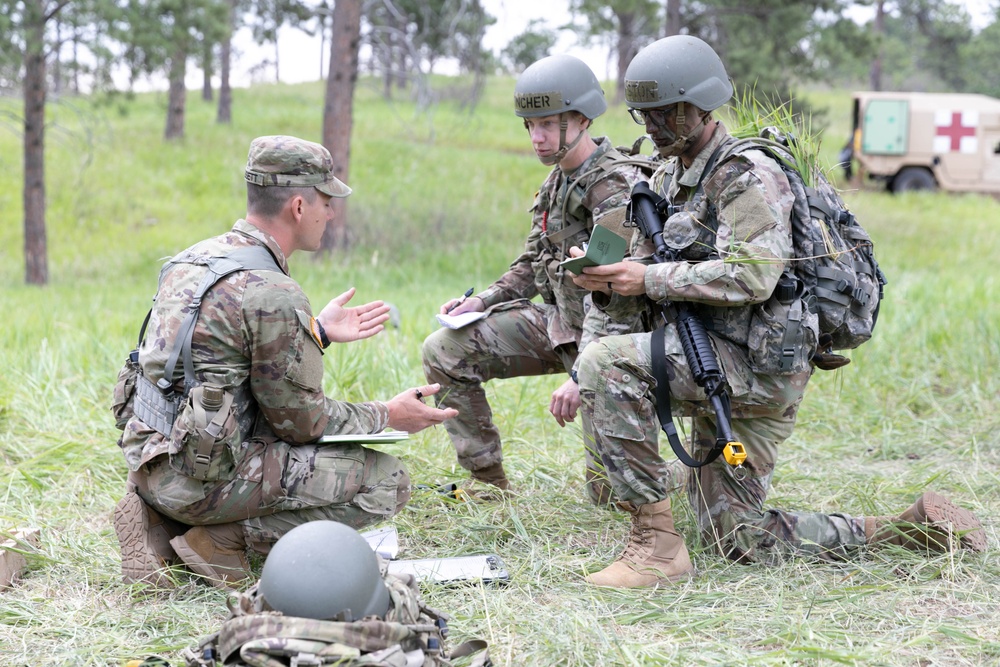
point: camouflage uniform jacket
(740, 246)
(252, 337)
(599, 197)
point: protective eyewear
(655, 117)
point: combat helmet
(677, 71)
(323, 570)
(555, 85)
(679, 68)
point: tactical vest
(566, 222)
(199, 420)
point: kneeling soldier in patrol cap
(558, 98)
(222, 454)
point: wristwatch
(572, 375)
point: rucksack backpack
(834, 257)
(410, 635)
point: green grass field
(440, 205)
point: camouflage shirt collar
(603, 146)
(256, 233)
(692, 175)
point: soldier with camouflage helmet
(238, 465)
(558, 98)
(738, 243)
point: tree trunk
(389, 61)
(277, 74)
(626, 50)
(176, 97)
(673, 24)
(206, 71)
(225, 112)
(76, 60)
(338, 109)
(875, 73)
(57, 62)
(36, 270)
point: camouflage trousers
(279, 486)
(512, 341)
(619, 419)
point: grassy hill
(440, 205)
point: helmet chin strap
(683, 141)
(557, 157)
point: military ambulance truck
(923, 141)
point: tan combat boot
(933, 523)
(144, 540)
(215, 552)
(655, 552)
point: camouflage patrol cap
(292, 162)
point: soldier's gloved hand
(343, 325)
(565, 402)
(408, 412)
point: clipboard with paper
(605, 247)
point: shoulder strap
(249, 258)
(609, 163)
(657, 345)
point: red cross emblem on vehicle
(955, 131)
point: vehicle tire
(913, 178)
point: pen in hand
(465, 296)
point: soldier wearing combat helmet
(222, 403)
(743, 201)
(558, 99)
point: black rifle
(648, 210)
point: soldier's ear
(296, 207)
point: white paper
(383, 541)
(459, 321)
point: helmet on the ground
(324, 570)
(679, 68)
(556, 84)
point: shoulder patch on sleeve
(306, 322)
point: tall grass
(439, 206)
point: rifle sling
(657, 344)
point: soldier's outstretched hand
(343, 325)
(408, 412)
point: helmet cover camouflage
(292, 162)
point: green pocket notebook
(605, 247)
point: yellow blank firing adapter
(735, 453)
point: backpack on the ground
(834, 258)
(411, 635)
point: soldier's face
(661, 123)
(544, 133)
(316, 215)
